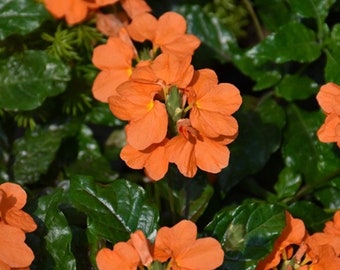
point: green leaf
(90, 160)
(260, 125)
(26, 80)
(329, 196)
(311, 8)
(292, 42)
(208, 29)
(332, 68)
(4, 155)
(36, 150)
(273, 13)
(57, 234)
(313, 216)
(302, 150)
(247, 232)
(20, 16)
(295, 87)
(288, 183)
(115, 210)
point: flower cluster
(295, 248)
(14, 223)
(329, 100)
(175, 114)
(76, 11)
(174, 248)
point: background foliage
(63, 146)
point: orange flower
(319, 251)
(14, 253)
(153, 159)
(166, 33)
(148, 117)
(212, 105)
(165, 71)
(329, 101)
(12, 200)
(191, 149)
(115, 60)
(123, 257)
(330, 129)
(142, 246)
(293, 234)
(131, 7)
(74, 11)
(329, 98)
(333, 227)
(179, 244)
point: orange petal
(76, 12)
(142, 27)
(211, 156)
(173, 240)
(106, 2)
(123, 257)
(326, 97)
(135, 7)
(106, 83)
(333, 227)
(13, 250)
(149, 129)
(134, 158)
(173, 70)
(133, 102)
(182, 46)
(171, 26)
(213, 124)
(205, 253)
(115, 54)
(142, 246)
(15, 195)
(156, 166)
(20, 219)
(57, 8)
(181, 152)
(328, 131)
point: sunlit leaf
(20, 16)
(114, 210)
(247, 232)
(26, 80)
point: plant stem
(254, 18)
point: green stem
(254, 18)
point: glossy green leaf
(26, 80)
(288, 183)
(303, 152)
(247, 232)
(313, 216)
(37, 149)
(90, 160)
(56, 233)
(114, 210)
(260, 125)
(292, 42)
(295, 87)
(273, 13)
(329, 196)
(20, 16)
(208, 29)
(311, 8)
(332, 68)
(265, 74)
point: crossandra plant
(183, 135)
